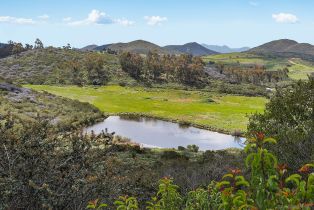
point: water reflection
(157, 133)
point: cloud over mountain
(100, 18)
(285, 18)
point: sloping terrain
(143, 47)
(138, 46)
(285, 47)
(298, 67)
(28, 105)
(102, 47)
(51, 66)
(192, 48)
(89, 47)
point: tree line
(153, 67)
(17, 47)
(255, 74)
(89, 70)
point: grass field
(298, 68)
(225, 112)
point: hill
(102, 47)
(298, 68)
(192, 48)
(60, 66)
(287, 48)
(89, 47)
(138, 46)
(27, 105)
(225, 49)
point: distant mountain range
(225, 49)
(143, 47)
(192, 48)
(285, 47)
(282, 47)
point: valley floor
(212, 110)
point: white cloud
(15, 20)
(44, 17)
(125, 22)
(67, 19)
(155, 20)
(100, 18)
(254, 3)
(285, 18)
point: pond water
(161, 134)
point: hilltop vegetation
(62, 66)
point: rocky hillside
(192, 48)
(27, 105)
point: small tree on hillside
(17, 49)
(38, 44)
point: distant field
(227, 112)
(298, 68)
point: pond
(161, 134)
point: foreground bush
(268, 187)
(289, 117)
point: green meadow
(212, 110)
(298, 68)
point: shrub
(288, 117)
(193, 148)
(269, 186)
(171, 154)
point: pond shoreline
(183, 123)
(161, 133)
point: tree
(190, 70)
(17, 49)
(154, 64)
(289, 117)
(28, 47)
(38, 44)
(132, 64)
(67, 47)
(97, 74)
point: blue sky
(235, 23)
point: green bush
(269, 186)
(289, 117)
